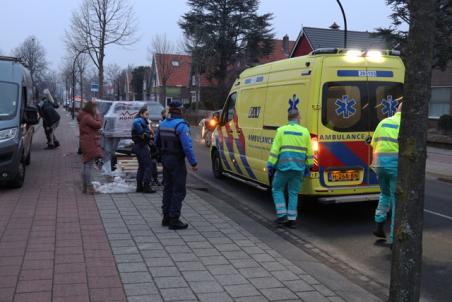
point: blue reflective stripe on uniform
(295, 160)
(293, 148)
(293, 133)
(274, 155)
(390, 126)
(386, 139)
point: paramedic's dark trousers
(144, 164)
(174, 179)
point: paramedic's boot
(379, 230)
(176, 224)
(139, 188)
(280, 221)
(148, 189)
(291, 224)
(165, 220)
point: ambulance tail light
(315, 150)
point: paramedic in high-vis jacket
(385, 162)
(174, 143)
(289, 161)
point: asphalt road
(344, 231)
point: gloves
(307, 172)
(270, 171)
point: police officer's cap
(175, 104)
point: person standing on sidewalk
(141, 136)
(174, 142)
(385, 163)
(289, 160)
(50, 121)
(90, 125)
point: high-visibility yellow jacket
(291, 148)
(385, 142)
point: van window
(8, 100)
(358, 106)
(230, 108)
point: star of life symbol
(293, 102)
(389, 106)
(345, 107)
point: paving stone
(177, 294)
(298, 286)
(244, 263)
(140, 289)
(229, 247)
(214, 297)
(206, 252)
(263, 258)
(312, 297)
(181, 257)
(253, 250)
(222, 269)
(124, 250)
(165, 271)
(154, 253)
(266, 282)
(309, 279)
(278, 294)
(244, 290)
(126, 258)
(170, 282)
(190, 266)
(233, 279)
(273, 266)
(159, 261)
(145, 298)
(285, 275)
(138, 277)
(323, 290)
(197, 276)
(336, 299)
(203, 287)
(254, 272)
(214, 260)
(132, 267)
(236, 255)
(252, 299)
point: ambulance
(341, 94)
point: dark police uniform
(141, 137)
(174, 141)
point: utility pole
(409, 216)
(345, 22)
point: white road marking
(438, 214)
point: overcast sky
(48, 20)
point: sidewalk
(57, 244)
(439, 163)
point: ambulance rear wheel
(217, 167)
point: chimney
(286, 45)
(334, 26)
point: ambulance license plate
(335, 176)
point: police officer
(174, 141)
(289, 160)
(141, 136)
(385, 162)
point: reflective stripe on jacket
(291, 149)
(385, 142)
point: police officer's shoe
(176, 224)
(379, 231)
(165, 221)
(280, 221)
(139, 189)
(148, 189)
(291, 224)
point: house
(311, 38)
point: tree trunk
(81, 86)
(100, 94)
(407, 250)
(163, 93)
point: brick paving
(53, 246)
(214, 260)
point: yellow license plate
(334, 176)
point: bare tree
(163, 68)
(98, 24)
(113, 74)
(33, 54)
(82, 64)
(407, 254)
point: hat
(175, 104)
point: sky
(48, 20)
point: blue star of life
(293, 102)
(345, 107)
(389, 106)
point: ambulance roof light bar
(350, 51)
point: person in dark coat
(90, 125)
(141, 136)
(50, 121)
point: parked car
(17, 117)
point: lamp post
(73, 79)
(345, 22)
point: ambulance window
(343, 104)
(387, 98)
(230, 107)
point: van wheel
(18, 181)
(27, 160)
(217, 167)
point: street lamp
(345, 22)
(73, 79)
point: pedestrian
(174, 142)
(289, 161)
(50, 121)
(385, 162)
(141, 136)
(90, 125)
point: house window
(175, 63)
(439, 101)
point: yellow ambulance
(341, 94)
